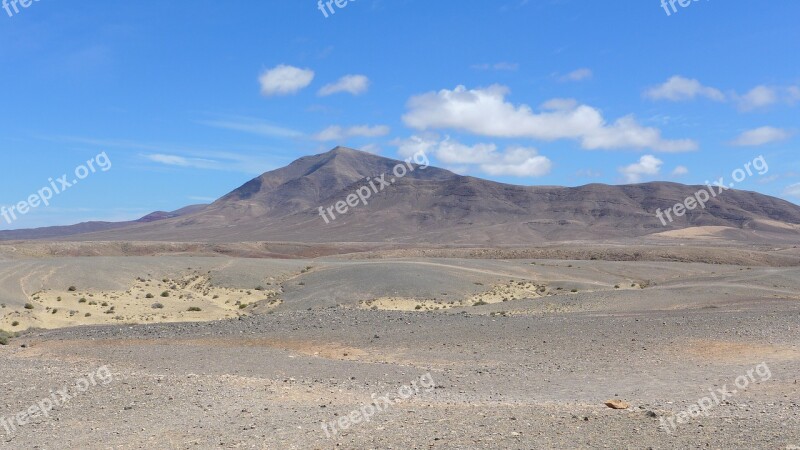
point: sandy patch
(739, 351)
(188, 299)
(706, 232)
(513, 290)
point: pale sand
(58, 309)
(513, 290)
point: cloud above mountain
(486, 112)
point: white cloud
(577, 75)
(283, 80)
(519, 162)
(451, 152)
(761, 136)
(337, 133)
(353, 84)
(559, 104)
(680, 171)
(486, 112)
(793, 190)
(408, 147)
(648, 165)
(758, 97)
(514, 161)
(678, 89)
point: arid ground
(258, 346)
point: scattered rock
(617, 404)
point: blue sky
(189, 100)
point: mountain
(431, 205)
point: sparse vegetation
(194, 309)
(5, 336)
(149, 296)
(15, 323)
(165, 294)
(479, 303)
(28, 306)
(157, 306)
(573, 290)
(82, 300)
(72, 289)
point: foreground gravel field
(530, 373)
(500, 382)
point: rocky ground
(529, 372)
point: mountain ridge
(430, 204)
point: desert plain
(288, 346)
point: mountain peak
(347, 150)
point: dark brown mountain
(431, 205)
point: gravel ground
(532, 377)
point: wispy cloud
(679, 88)
(500, 66)
(792, 190)
(760, 136)
(231, 162)
(177, 155)
(253, 126)
(577, 75)
(351, 84)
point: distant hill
(431, 205)
(91, 227)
